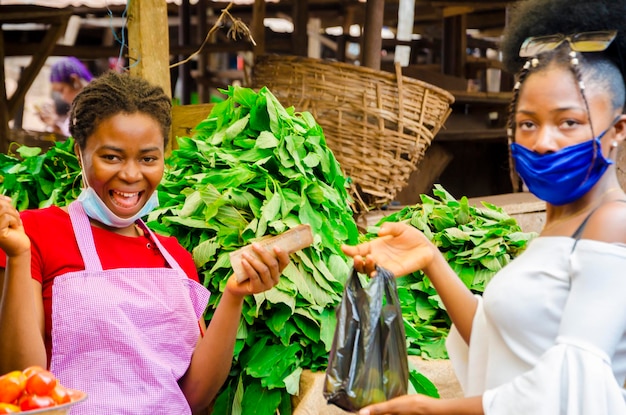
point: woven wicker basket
(377, 124)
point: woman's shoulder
(51, 216)
(607, 223)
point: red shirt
(54, 252)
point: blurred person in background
(68, 76)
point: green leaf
(273, 364)
(258, 400)
(292, 382)
(204, 252)
(28, 152)
(422, 385)
(266, 140)
(327, 328)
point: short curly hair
(113, 93)
(547, 17)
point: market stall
(186, 118)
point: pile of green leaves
(476, 242)
(253, 168)
(38, 179)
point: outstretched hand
(400, 248)
(263, 271)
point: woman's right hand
(13, 239)
(400, 248)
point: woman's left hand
(263, 271)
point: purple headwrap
(64, 68)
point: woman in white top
(549, 334)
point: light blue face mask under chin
(564, 176)
(96, 209)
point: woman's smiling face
(123, 161)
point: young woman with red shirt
(90, 292)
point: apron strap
(84, 236)
(169, 258)
(87, 246)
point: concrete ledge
(525, 208)
(311, 400)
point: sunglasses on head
(579, 42)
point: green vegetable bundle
(476, 242)
(36, 179)
(253, 168)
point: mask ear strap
(82, 166)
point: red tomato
(11, 386)
(31, 370)
(28, 402)
(60, 394)
(7, 408)
(40, 383)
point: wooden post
(300, 44)
(148, 39)
(315, 44)
(204, 94)
(184, 38)
(149, 45)
(454, 44)
(257, 27)
(348, 19)
(372, 38)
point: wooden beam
(32, 70)
(96, 52)
(204, 94)
(457, 10)
(184, 37)
(186, 117)
(56, 20)
(372, 37)
(454, 44)
(257, 27)
(300, 23)
(148, 46)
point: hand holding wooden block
(290, 241)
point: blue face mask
(563, 176)
(96, 209)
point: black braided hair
(113, 93)
(592, 70)
(549, 17)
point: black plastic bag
(368, 360)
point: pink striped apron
(124, 336)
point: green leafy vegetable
(38, 179)
(254, 168)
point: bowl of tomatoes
(35, 390)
